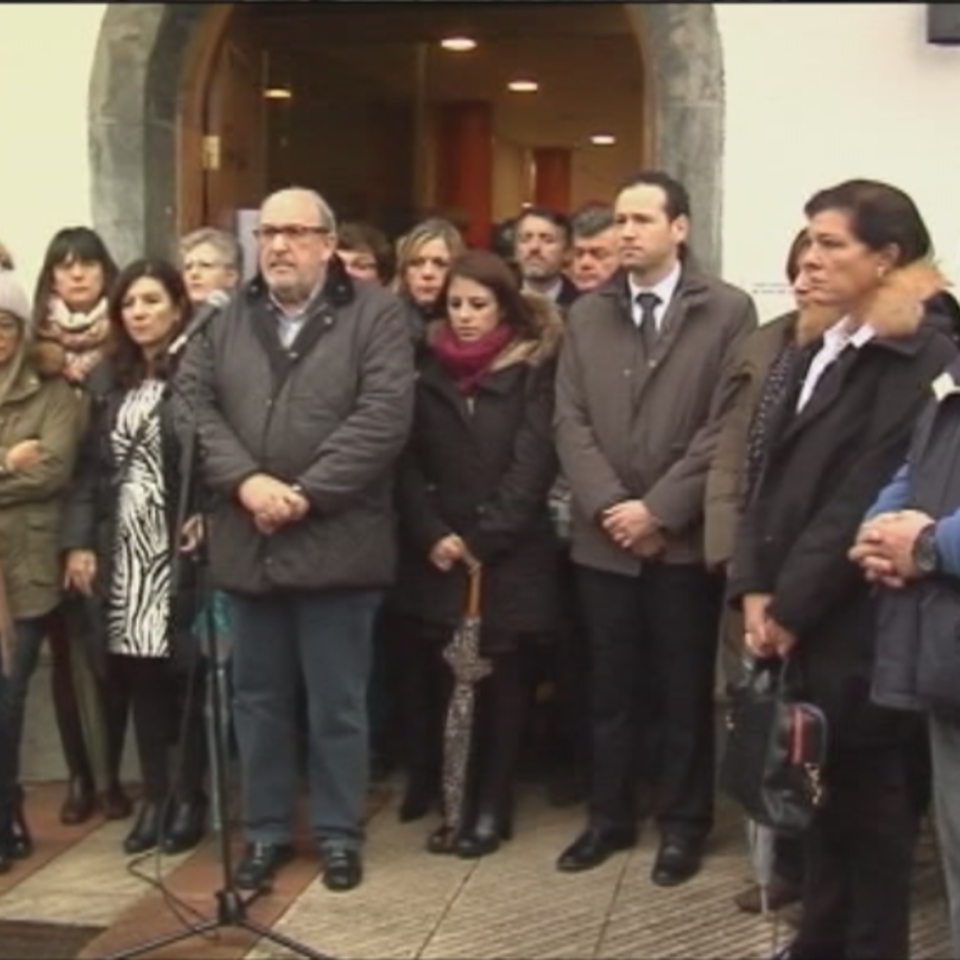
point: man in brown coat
(644, 373)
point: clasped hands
(450, 550)
(631, 526)
(884, 547)
(272, 503)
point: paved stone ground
(512, 904)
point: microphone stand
(231, 906)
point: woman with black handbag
(121, 536)
(869, 352)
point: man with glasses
(304, 388)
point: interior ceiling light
(523, 86)
(278, 93)
(458, 44)
(603, 140)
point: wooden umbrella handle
(473, 591)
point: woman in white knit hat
(39, 437)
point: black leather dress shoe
(145, 834)
(418, 800)
(485, 837)
(186, 827)
(593, 847)
(260, 863)
(678, 859)
(342, 869)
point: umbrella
(469, 668)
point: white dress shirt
(835, 340)
(665, 290)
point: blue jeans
(326, 638)
(28, 639)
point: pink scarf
(468, 363)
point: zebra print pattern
(138, 617)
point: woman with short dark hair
(869, 351)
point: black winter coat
(824, 469)
(483, 470)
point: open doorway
(157, 108)
(391, 113)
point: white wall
(46, 56)
(817, 94)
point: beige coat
(726, 480)
(631, 426)
(31, 500)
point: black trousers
(856, 896)
(157, 697)
(653, 637)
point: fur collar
(536, 342)
(894, 311)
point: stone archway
(142, 53)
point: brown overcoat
(630, 426)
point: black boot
(488, 831)
(186, 826)
(20, 843)
(145, 834)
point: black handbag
(775, 751)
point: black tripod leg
(165, 941)
(281, 941)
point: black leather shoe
(678, 859)
(79, 804)
(342, 869)
(115, 803)
(260, 863)
(186, 827)
(484, 838)
(145, 834)
(19, 841)
(593, 847)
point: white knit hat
(13, 297)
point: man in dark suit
(644, 373)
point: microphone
(208, 310)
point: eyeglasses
(189, 265)
(291, 232)
(9, 327)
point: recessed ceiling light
(603, 140)
(523, 86)
(458, 44)
(278, 93)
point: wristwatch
(926, 556)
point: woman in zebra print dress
(122, 538)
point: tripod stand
(231, 907)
